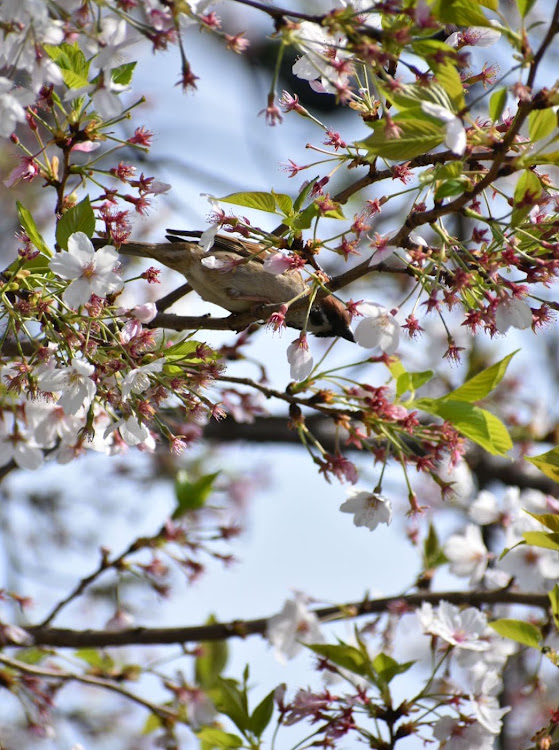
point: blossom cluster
(96, 377)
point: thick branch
(63, 638)
(272, 429)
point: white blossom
(485, 668)
(138, 380)
(460, 477)
(73, 382)
(512, 312)
(320, 47)
(294, 625)
(455, 138)
(455, 734)
(91, 272)
(200, 708)
(300, 358)
(378, 327)
(486, 706)
(18, 445)
(369, 508)
(467, 553)
(12, 106)
(131, 430)
(51, 423)
(113, 38)
(484, 509)
(462, 629)
(475, 36)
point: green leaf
(548, 463)
(192, 495)
(347, 657)
(481, 385)
(527, 193)
(259, 200)
(449, 171)
(524, 6)
(79, 218)
(217, 738)
(230, 701)
(475, 423)
(549, 520)
(550, 157)
(433, 555)
(432, 48)
(387, 668)
(69, 57)
(152, 724)
(122, 75)
(412, 381)
(28, 223)
(519, 631)
(447, 76)
(262, 714)
(211, 660)
(32, 655)
(541, 123)
(542, 539)
(73, 80)
(491, 4)
(97, 659)
(497, 103)
(451, 188)
(185, 351)
(304, 194)
(284, 203)
(411, 95)
(459, 12)
(304, 219)
(554, 601)
(418, 135)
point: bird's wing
(224, 243)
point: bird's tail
(176, 255)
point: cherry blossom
(51, 423)
(467, 553)
(512, 312)
(137, 380)
(12, 106)
(377, 328)
(18, 445)
(455, 138)
(369, 508)
(486, 706)
(320, 47)
(73, 382)
(462, 629)
(475, 36)
(459, 734)
(294, 625)
(90, 271)
(300, 358)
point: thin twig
(64, 676)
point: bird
(232, 275)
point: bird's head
(328, 317)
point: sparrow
(232, 275)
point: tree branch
(63, 676)
(63, 638)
